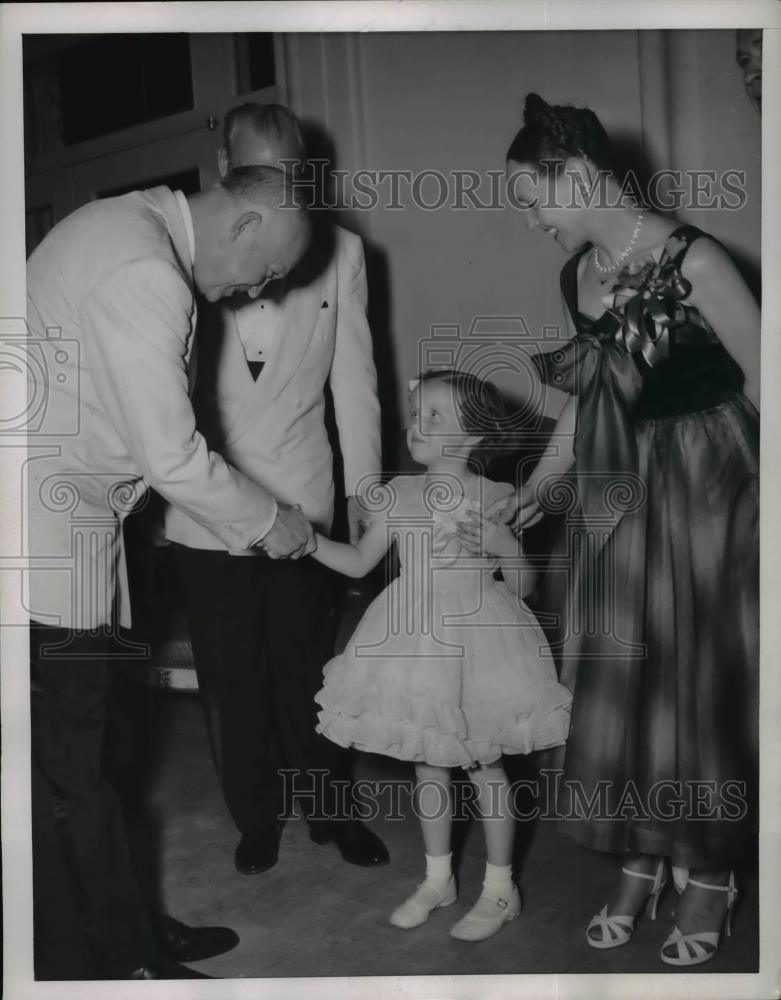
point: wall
(445, 102)
(450, 101)
(713, 127)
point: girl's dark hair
(553, 133)
(481, 411)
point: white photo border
(408, 15)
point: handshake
(291, 536)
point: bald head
(251, 229)
(265, 185)
(261, 134)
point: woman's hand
(520, 509)
(482, 536)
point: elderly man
(262, 630)
(112, 287)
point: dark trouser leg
(137, 740)
(299, 631)
(69, 715)
(223, 594)
(61, 934)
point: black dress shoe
(181, 943)
(257, 852)
(355, 842)
(165, 969)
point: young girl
(448, 667)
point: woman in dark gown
(654, 578)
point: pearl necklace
(622, 256)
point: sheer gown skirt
(657, 636)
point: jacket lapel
(301, 313)
(237, 390)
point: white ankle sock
(498, 880)
(438, 869)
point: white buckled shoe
(488, 915)
(427, 897)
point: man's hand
(355, 519)
(290, 536)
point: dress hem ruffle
(392, 723)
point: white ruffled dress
(447, 666)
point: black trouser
(82, 870)
(261, 631)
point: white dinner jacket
(111, 312)
(273, 429)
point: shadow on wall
(629, 159)
(321, 147)
(628, 156)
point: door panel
(180, 147)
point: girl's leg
(434, 810)
(500, 900)
(493, 800)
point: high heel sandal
(617, 929)
(693, 949)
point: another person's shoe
(181, 943)
(612, 931)
(258, 851)
(489, 914)
(165, 969)
(355, 842)
(694, 949)
(424, 900)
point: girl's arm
(723, 298)
(354, 560)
